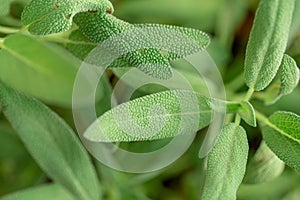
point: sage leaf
(81, 45)
(47, 192)
(150, 61)
(281, 133)
(286, 81)
(264, 166)
(247, 113)
(156, 116)
(267, 42)
(55, 147)
(4, 6)
(226, 164)
(43, 70)
(154, 62)
(289, 75)
(47, 17)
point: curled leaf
(53, 16)
(289, 75)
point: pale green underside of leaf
(51, 142)
(226, 164)
(98, 28)
(289, 75)
(282, 134)
(52, 16)
(264, 166)
(247, 113)
(156, 116)
(284, 83)
(45, 192)
(41, 69)
(4, 6)
(267, 42)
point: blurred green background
(228, 22)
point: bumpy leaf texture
(267, 42)
(282, 134)
(53, 16)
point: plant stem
(261, 117)
(8, 30)
(249, 94)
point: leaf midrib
(267, 49)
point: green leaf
(264, 166)
(267, 42)
(51, 142)
(17, 168)
(46, 192)
(289, 75)
(150, 61)
(247, 113)
(52, 16)
(226, 164)
(282, 134)
(199, 36)
(156, 116)
(284, 84)
(82, 46)
(4, 6)
(154, 62)
(38, 68)
(152, 117)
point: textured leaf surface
(156, 116)
(264, 166)
(84, 46)
(99, 27)
(4, 6)
(51, 142)
(52, 16)
(267, 42)
(247, 113)
(154, 62)
(151, 117)
(43, 70)
(226, 164)
(282, 134)
(289, 75)
(46, 192)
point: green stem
(8, 30)
(261, 117)
(249, 94)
